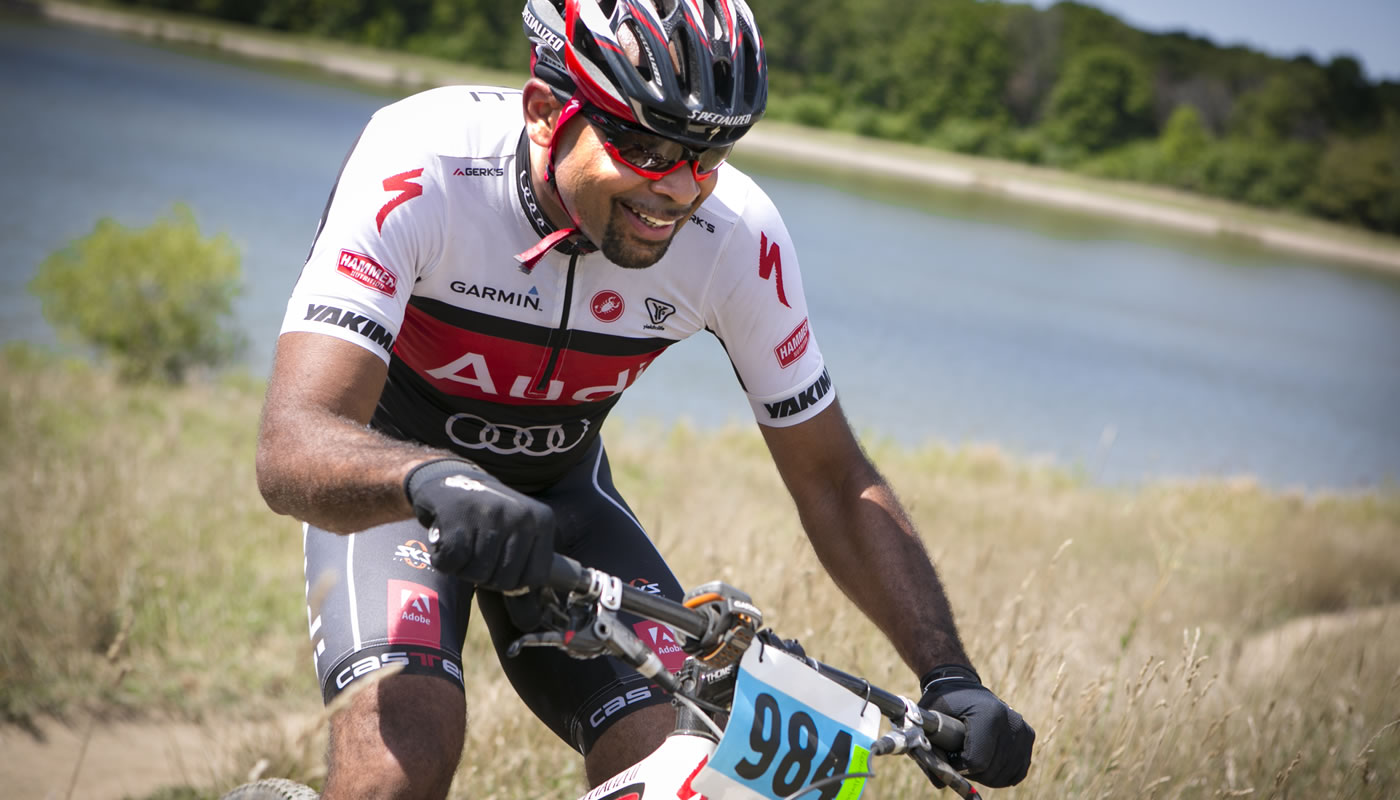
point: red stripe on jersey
(499, 370)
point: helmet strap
(531, 257)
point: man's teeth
(655, 222)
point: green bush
(154, 300)
(1358, 182)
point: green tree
(1358, 181)
(1103, 99)
(153, 300)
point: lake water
(1131, 353)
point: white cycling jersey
(516, 370)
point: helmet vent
(645, 61)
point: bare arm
(864, 539)
(316, 459)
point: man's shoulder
(740, 205)
(453, 120)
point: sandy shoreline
(777, 142)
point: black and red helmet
(716, 95)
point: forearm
(344, 478)
(870, 548)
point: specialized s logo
(770, 262)
(407, 190)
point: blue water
(943, 317)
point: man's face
(630, 217)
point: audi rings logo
(475, 433)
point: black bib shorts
(387, 606)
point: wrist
(429, 471)
(948, 673)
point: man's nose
(680, 186)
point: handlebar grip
(567, 575)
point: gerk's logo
(407, 190)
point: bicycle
(756, 719)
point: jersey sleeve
(758, 311)
(382, 230)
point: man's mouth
(651, 220)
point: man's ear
(541, 111)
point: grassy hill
(1181, 640)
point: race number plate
(789, 727)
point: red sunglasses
(653, 156)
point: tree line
(1069, 86)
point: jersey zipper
(561, 336)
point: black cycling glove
(997, 750)
(480, 529)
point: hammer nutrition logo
(366, 271)
(413, 614)
(794, 346)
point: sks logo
(645, 585)
(366, 271)
(407, 190)
(415, 554)
(770, 262)
(413, 614)
(607, 305)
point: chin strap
(552, 239)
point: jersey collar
(551, 237)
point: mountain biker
(477, 296)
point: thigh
(374, 601)
(581, 700)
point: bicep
(318, 374)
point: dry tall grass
(1198, 640)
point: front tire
(272, 789)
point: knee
(399, 738)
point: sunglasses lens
(656, 154)
(711, 158)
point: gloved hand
(997, 750)
(480, 529)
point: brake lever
(550, 639)
(935, 765)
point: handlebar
(567, 575)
